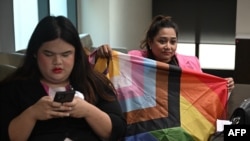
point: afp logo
(237, 132)
(241, 132)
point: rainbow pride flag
(162, 102)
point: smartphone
(64, 96)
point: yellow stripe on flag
(193, 122)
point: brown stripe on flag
(160, 110)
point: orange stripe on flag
(201, 96)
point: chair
(86, 40)
(119, 49)
(6, 70)
(239, 93)
(22, 51)
(13, 59)
(87, 44)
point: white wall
(93, 18)
(120, 23)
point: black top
(15, 97)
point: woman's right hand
(46, 108)
(104, 51)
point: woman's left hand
(78, 107)
(230, 84)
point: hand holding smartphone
(64, 96)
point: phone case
(64, 96)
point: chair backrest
(120, 49)
(238, 95)
(22, 51)
(86, 40)
(6, 70)
(13, 59)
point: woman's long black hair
(82, 78)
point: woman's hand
(230, 84)
(104, 51)
(79, 107)
(46, 108)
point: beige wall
(120, 23)
(243, 19)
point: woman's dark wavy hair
(156, 25)
(82, 78)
